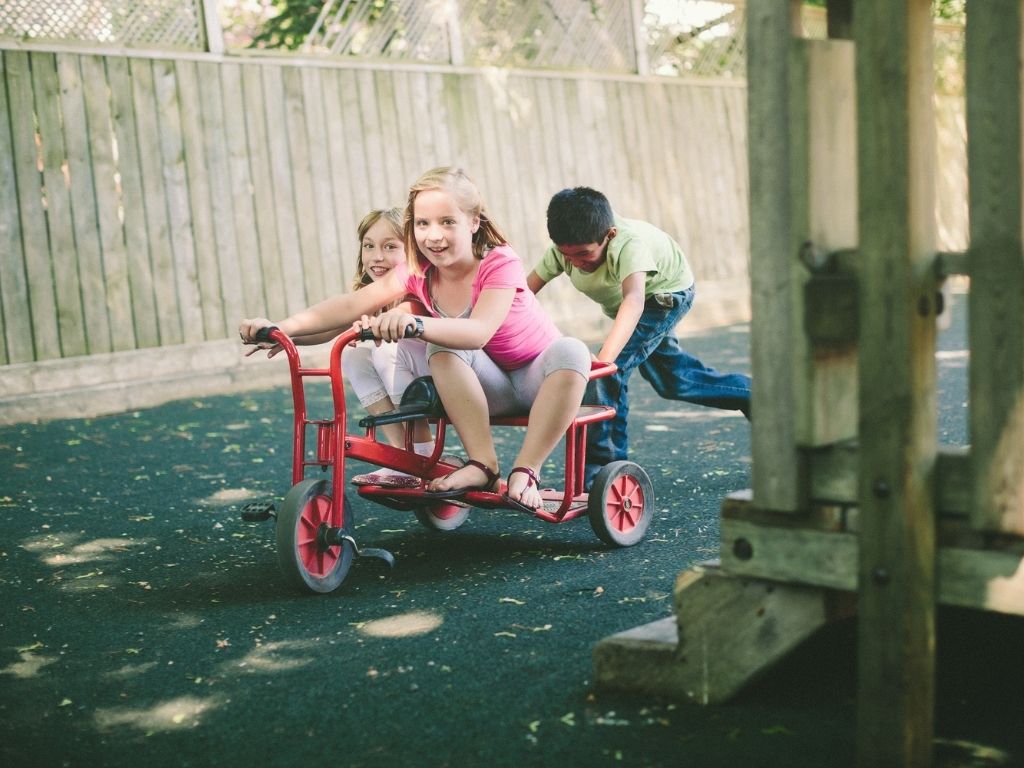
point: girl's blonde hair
(395, 217)
(455, 182)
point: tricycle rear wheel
(306, 560)
(441, 516)
(621, 503)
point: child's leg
(565, 366)
(677, 375)
(361, 367)
(608, 441)
(468, 383)
(410, 362)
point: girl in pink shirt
(490, 346)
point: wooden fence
(150, 201)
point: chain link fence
(695, 38)
(175, 24)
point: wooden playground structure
(855, 508)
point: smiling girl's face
(443, 231)
(382, 249)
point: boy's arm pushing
(534, 281)
(632, 306)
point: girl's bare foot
(470, 477)
(523, 487)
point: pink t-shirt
(526, 331)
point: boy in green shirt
(642, 280)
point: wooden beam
(731, 630)
(996, 263)
(834, 472)
(823, 193)
(896, 580)
(778, 471)
(781, 550)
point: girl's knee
(567, 354)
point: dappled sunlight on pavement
(409, 624)
(28, 666)
(178, 713)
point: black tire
(621, 504)
(441, 516)
(304, 559)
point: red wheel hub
(624, 504)
(318, 559)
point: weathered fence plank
(226, 259)
(16, 340)
(412, 130)
(154, 196)
(132, 204)
(206, 203)
(105, 173)
(240, 190)
(274, 288)
(60, 228)
(183, 254)
(357, 179)
(78, 145)
(321, 216)
(279, 143)
(300, 170)
(372, 141)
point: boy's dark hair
(579, 215)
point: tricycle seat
(419, 401)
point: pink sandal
(515, 503)
(451, 493)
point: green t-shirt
(637, 247)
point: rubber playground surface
(143, 622)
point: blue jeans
(674, 374)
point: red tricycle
(315, 533)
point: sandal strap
(489, 473)
(529, 473)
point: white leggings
(511, 392)
(377, 372)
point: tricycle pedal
(258, 511)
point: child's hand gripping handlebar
(271, 334)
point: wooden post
(996, 264)
(636, 18)
(823, 200)
(896, 602)
(778, 469)
(456, 54)
(840, 19)
(212, 30)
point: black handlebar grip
(263, 334)
(366, 335)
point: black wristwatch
(418, 330)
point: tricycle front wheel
(306, 559)
(621, 503)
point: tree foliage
(289, 27)
(946, 10)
